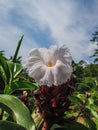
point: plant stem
(82, 109)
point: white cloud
(9, 39)
(69, 22)
(10, 33)
(91, 48)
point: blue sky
(48, 22)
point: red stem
(46, 125)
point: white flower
(49, 66)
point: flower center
(50, 64)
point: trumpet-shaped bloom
(49, 66)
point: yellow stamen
(50, 64)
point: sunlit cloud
(48, 22)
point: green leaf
(17, 69)
(20, 85)
(91, 124)
(14, 68)
(17, 110)
(96, 121)
(11, 69)
(93, 111)
(90, 101)
(2, 78)
(76, 100)
(6, 125)
(5, 67)
(17, 49)
(69, 126)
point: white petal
(54, 53)
(64, 55)
(34, 57)
(62, 73)
(33, 52)
(47, 78)
(37, 71)
(38, 65)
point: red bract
(52, 102)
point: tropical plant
(10, 80)
(17, 116)
(16, 58)
(56, 104)
(2, 53)
(10, 106)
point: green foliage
(15, 115)
(85, 99)
(9, 74)
(17, 110)
(4, 70)
(91, 124)
(15, 58)
(18, 115)
(20, 85)
(70, 126)
(7, 125)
